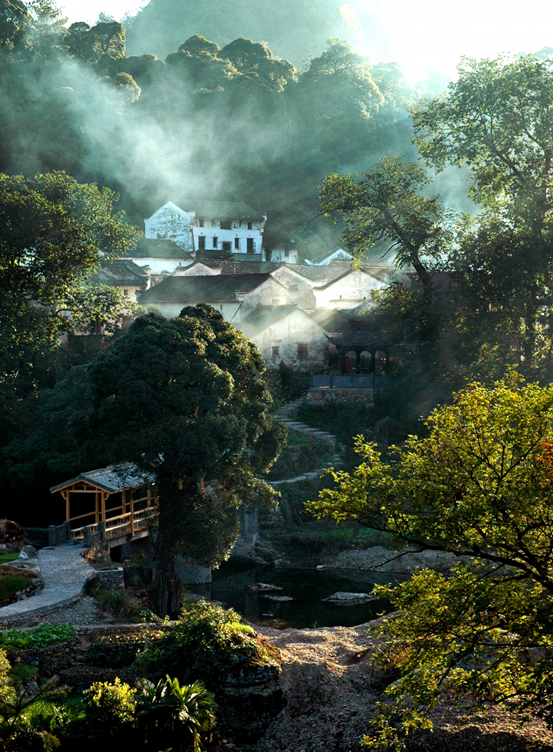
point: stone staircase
(283, 413)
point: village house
(234, 295)
(123, 273)
(351, 288)
(324, 258)
(289, 335)
(227, 227)
(161, 257)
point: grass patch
(46, 634)
(12, 556)
(10, 584)
(120, 603)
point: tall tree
(479, 486)
(186, 400)
(52, 233)
(495, 120)
(388, 206)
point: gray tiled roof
(159, 248)
(113, 478)
(118, 273)
(206, 289)
(220, 209)
(355, 339)
(331, 319)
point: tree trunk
(166, 592)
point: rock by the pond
(28, 552)
(278, 597)
(264, 587)
(348, 599)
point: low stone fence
(326, 396)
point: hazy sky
(421, 35)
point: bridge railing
(121, 526)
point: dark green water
(233, 586)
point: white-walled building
(218, 226)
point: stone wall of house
(170, 222)
(348, 291)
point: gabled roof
(377, 272)
(323, 257)
(360, 312)
(320, 273)
(119, 273)
(112, 479)
(159, 248)
(206, 289)
(331, 319)
(263, 316)
(221, 210)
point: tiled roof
(119, 273)
(112, 478)
(215, 287)
(382, 273)
(263, 316)
(321, 273)
(355, 339)
(220, 209)
(360, 312)
(159, 248)
(331, 319)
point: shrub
(110, 708)
(204, 642)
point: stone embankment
(283, 414)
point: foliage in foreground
(481, 486)
(45, 634)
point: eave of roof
(112, 478)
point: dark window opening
(303, 351)
(250, 245)
(227, 245)
(250, 225)
(276, 352)
(215, 239)
(226, 224)
(237, 243)
(126, 293)
(201, 243)
(201, 222)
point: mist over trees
(231, 121)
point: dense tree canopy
(495, 120)
(52, 232)
(186, 400)
(480, 485)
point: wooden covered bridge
(112, 505)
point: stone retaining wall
(339, 394)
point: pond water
(234, 585)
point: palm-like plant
(174, 715)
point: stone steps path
(64, 572)
(283, 414)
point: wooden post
(96, 508)
(103, 509)
(65, 495)
(202, 483)
(149, 495)
(124, 502)
(132, 515)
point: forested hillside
(231, 122)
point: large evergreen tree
(186, 400)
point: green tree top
(479, 485)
